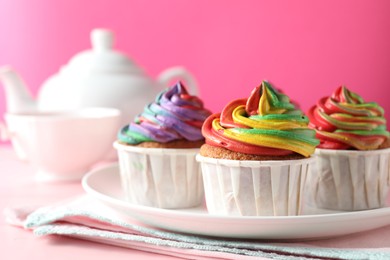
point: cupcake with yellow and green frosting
(352, 166)
(257, 155)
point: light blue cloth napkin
(86, 218)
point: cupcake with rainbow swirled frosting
(352, 169)
(257, 156)
(157, 151)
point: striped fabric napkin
(85, 218)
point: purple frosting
(174, 115)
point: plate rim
(183, 214)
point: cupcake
(257, 156)
(352, 169)
(157, 151)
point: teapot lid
(101, 58)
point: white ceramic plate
(104, 185)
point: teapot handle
(178, 73)
(4, 133)
(7, 135)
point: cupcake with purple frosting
(157, 151)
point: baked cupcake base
(254, 188)
(160, 177)
(177, 144)
(222, 153)
(349, 180)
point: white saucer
(104, 185)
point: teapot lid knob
(102, 39)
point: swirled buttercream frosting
(174, 115)
(266, 123)
(344, 121)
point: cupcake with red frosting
(157, 151)
(257, 156)
(352, 169)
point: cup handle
(7, 135)
(178, 73)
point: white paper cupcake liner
(254, 188)
(349, 180)
(160, 177)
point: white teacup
(63, 145)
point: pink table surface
(18, 188)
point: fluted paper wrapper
(160, 177)
(254, 188)
(349, 180)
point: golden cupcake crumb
(222, 153)
(177, 144)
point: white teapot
(100, 77)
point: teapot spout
(18, 97)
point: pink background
(307, 48)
